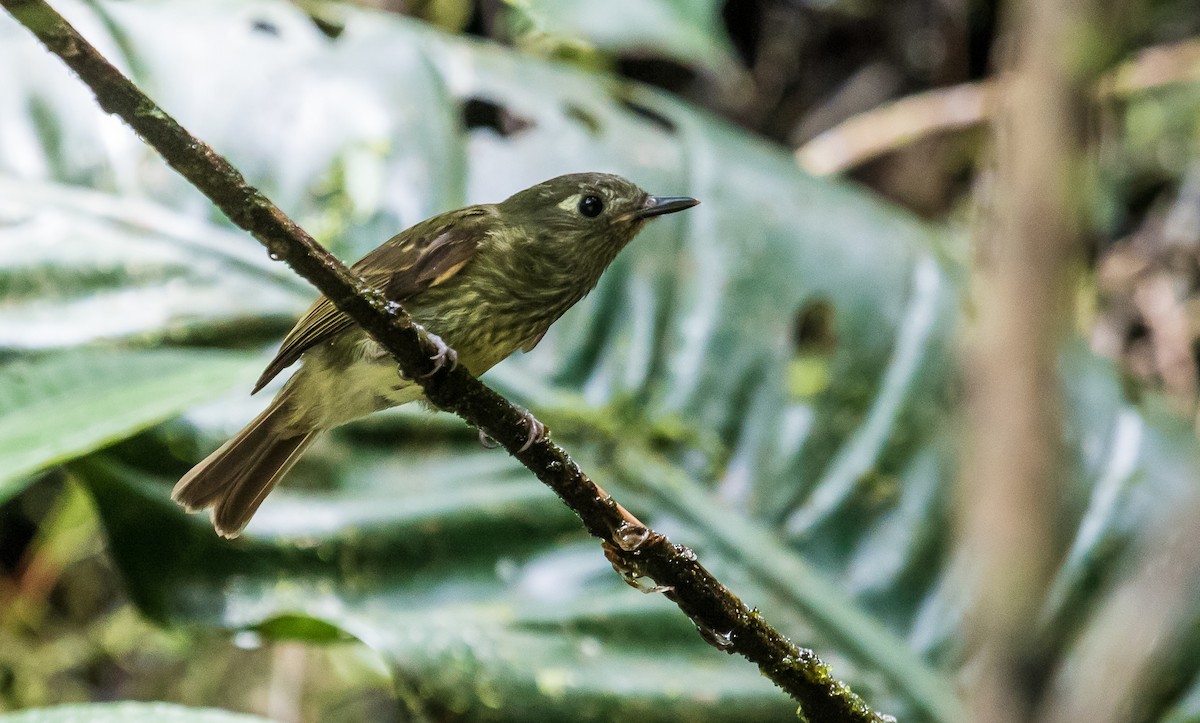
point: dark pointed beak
(659, 205)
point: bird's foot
(537, 431)
(444, 355)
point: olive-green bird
(487, 280)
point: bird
(484, 281)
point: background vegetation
(772, 379)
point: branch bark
(633, 548)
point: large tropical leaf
(128, 713)
(767, 378)
(688, 32)
(57, 406)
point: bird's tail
(236, 478)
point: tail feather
(234, 510)
(236, 478)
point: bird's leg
(486, 440)
(537, 431)
(444, 355)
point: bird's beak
(659, 205)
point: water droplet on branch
(631, 572)
(719, 640)
(631, 537)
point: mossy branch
(632, 547)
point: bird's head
(589, 214)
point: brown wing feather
(419, 258)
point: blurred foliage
(687, 32)
(128, 713)
(62, 405)
(768, 379)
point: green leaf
(127, 713)
(82, 265)
(58, 406)
(689, 32)
(544, 627)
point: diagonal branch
(634, 549)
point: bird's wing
(417, 259)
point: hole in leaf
(813, 327)
(589, 121)
(665, 74)
(482, 22)
(814, 341)
(265, 27)
(330, 28)
(484, 113)
(647, 113)
(744, 22)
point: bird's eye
(591, 206)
